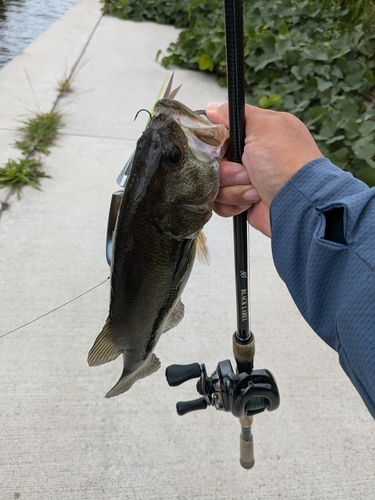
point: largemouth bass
(168, 198)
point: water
(21, 21)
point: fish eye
(175, 154)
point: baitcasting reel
(243, 394)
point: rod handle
(246, 443)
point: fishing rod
(245, 392)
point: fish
(168, 198)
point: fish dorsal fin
(175, 317)
(169, 93)
(174, 92)
(202, 252)
(104, 348)
(125, 382)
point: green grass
(65, 85)
(19, 173)
(40, 132)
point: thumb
(217, 112)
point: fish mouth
(200, 207)
(206, 140)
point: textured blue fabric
(332, 284)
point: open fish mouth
(206, 140)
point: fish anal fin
(175, 317)
(104, 348)
(202, 252)
(125, 382)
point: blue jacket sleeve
(331, 282)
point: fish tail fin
(104, 348)
(125, 382)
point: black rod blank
(236, 102)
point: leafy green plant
(313, 58)
(19, 173)
(163, 12)
(40, 132)
(359, 10)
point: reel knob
(184, 407)
(178, 374)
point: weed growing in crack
(19, 173)
(40, 132)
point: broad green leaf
(328, 129)
(268, 45)
(315, 114)
(363, 149)
(316, 54)
(335, 139)
(339, 157)
(336, 71)
(367, 175)
(323, 84)
(295, 70)
(275, 100)
(205, 63)
(355, 78)
(263, 102)
(265, 61)
(369, 76)
(351, 129)
(326, 71)
(366, 128)
(283, 28)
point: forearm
(332, 282)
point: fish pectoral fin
(175, 317)
(202, 252)
(125, 382)
(104, 348)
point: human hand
(277, 145)
(238, 195)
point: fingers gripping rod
(246, 391)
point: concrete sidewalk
(60, 439)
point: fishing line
(56, 308)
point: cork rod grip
(246, 443)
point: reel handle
(184, 407)
(178, 374)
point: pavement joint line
(60, 94)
